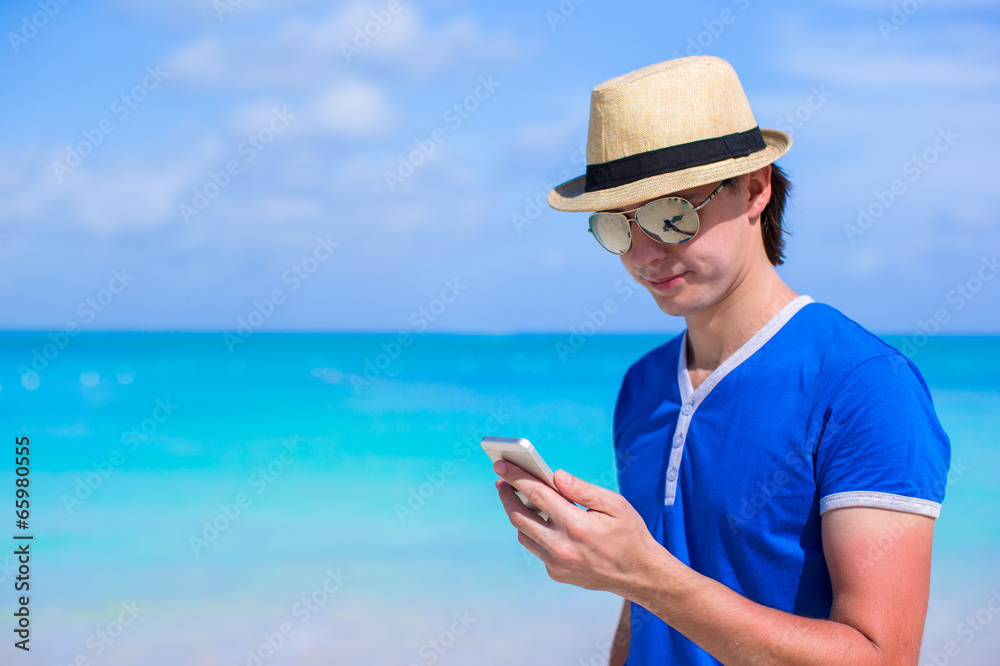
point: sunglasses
(670, 221)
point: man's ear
(758, 185)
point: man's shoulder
(647, 381)
(833, 348)
(657, 361)
(820, 330)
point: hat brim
(570, 196)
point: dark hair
(771, 229)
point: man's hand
(879, 563)
(599, 549)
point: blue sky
(280, 140)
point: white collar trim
(694, 397)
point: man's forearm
(623, 636)
(737, 631)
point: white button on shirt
(692, 397)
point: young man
(780, 466)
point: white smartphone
(520, 452)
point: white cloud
(103, 195)
(301, 52)
(131, 198)
(945, 57)
(353, 174)
(355, 109)
(352, 109)
(399, 216)
(201, 10)
(880, 5)
(547, 139)
(284, 208)
(200, 62)
(421, 51)
(865, 263)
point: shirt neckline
(693, 397)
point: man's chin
(676, 303)
(669, 306)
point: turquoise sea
(322, 498)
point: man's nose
(644, 250)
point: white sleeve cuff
(880, 501)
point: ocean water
(322, 499)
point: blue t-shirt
(812, 413)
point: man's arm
(623, 636)
(879, 562)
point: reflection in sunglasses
(669, 225)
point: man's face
(691, 276)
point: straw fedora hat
(664, 128)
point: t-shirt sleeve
(882, 444)
(621, 404)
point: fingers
(532, 547)
(524, 519)
(537, 491)
(586, 494)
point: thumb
(584, 493)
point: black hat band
(629, 169)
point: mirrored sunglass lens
(611, 231)
(669, 220)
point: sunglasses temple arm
(710, 197)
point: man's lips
(667, 281)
